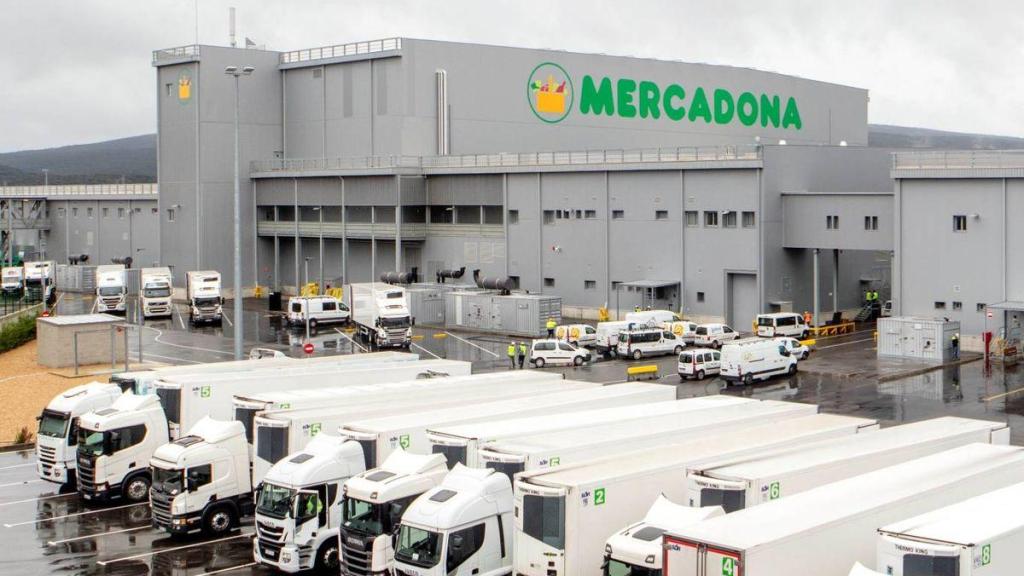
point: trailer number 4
(728, 566)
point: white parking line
(18, 466)
(180, 319)
(222, 570)
(471, 344)
(23, 482)
(87, 512)
(55, 542)
(160, 334)
(50, 497)
(151, 355)
(425, 350)
(228, 320)
(155, 552)
(349, 338)
(843, 344)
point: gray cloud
(79, 70)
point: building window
(661, 214)
(832, 222)
(549, 282)
(467, 214)
(579, 214)
(138, 210)
(120, 212)
(710, 219)
(492, 215)
(88, 212)
(410, 215)
(700, 296)
(590, 214)
(748, 219)
(618, 214)
(549, 216)
(154, 211)
(959, 223)
(170, 214)
(106, 212)
(74, 212)
(513, 216)
(957, 305)
(980, 306)
(168, 88)
(590, 284)
(442, 214)
(871, 222)
(729, 219)
(317, 72)
(940, 305)
(691, 218)
(60, 212)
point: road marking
(18, 466)
(471, 344)
(55, 542)
(354, 343)
(425, 350)
(997, 396)
(23, 482)
(186, 546)
(50, 497)
(160, 334)
(180, 319)
(222, 570)
(225, 317)
(37, 521)
(843, 344)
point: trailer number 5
(728, 567)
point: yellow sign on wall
(184, 87)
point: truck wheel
(327, 557)
(136, 488)
(748, 379)
(577, 361)
(792, 369)
(716, 344)
(682, 378)
(678, 350)
(312, 323)
(700, 375)
(218, 520)
(637, 354)
(539, 363)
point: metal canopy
(650, 283)
(1011, 305)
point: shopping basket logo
(550, 92)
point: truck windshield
(729, 500)
(207, 301)
(167, 481)
(400, 322)
(275, 501)
(418, 547)
(363, 516)
(53, 424)
(544, 519)
(110, 291)
(919, 565)
(161, 292)
(91, 443)
(618, 568)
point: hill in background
(134, 159)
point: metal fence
(11, 304)
(957, 159)
(339, 50)
(53, 190)
(189, 51)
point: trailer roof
(294, 369)
(806, 511)
(689, 451)
(839, 449)
(972, 521)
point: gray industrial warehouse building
(714, 190)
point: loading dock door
(741, 291)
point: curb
(17, 447)
(927, 369)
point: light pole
(239, 332)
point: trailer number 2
(598, 496)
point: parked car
(714, 335)
(699, 363)
(781, 324)
(641, 342)
(577, 334)
(795, 347)
(555, 352)
(887, 309)
(319, 309)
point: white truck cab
(636, 550)
(298, 506)
(205, 303)
(374, 503)
(57, 438)
(110, 441)
(210, 497)
(381, 314)
(11, 280)
(111, 288)
(155, 295)
(463, 527)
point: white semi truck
(636, 550)
(38, 279)
(826, 530)
(462, 442)
(111, 288)
(463, 527)
(381, 314)
(155, 292)
(205, 302)
(566, 514)
(187, 399)
(12, 280)
(981, 536)
(57, 438)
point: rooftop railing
(515, 160)
(78, 190)
(957, 159)
(339, 50)
(190, 51)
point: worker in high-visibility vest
(512, 355)
(522, 354)
(551, 327)
(807, 317)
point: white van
(714, 335)
(577, 334)
(781, 324)
(641, 342)
(556, 352)
(682, 329)
(756, 360)
(795, 347)
(325, 309)
(887, 309)
(606, 338)
(652, 316)
(699, 363)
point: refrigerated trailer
(735, 485)
(826, 530)
(565, 514)
(603, 433)
(981, 536)
(636, 549)
(413, 432)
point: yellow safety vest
(522, 349)
(551, 324)
(511, 350)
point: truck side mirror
(222, 300)
(412, 321)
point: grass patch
(18, 332)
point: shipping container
(516, 314)
(920, 338)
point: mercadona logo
(550, 92)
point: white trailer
(981, 536)
(205, 302)
(826, 530)
(381, 314)
(694, 416)
(414, 432)
(11, 280)
(155, 293)
(111, 288)
(566, 514)
(279, 433)
(735, 485)
(637, 548)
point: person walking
(955, 342)
(522, 354)
(551, 327)
(512, 355)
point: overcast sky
(77, 71)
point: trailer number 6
(774, 491)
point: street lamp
(239, 332)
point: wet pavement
(46, 532)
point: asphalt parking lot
(47, 532)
